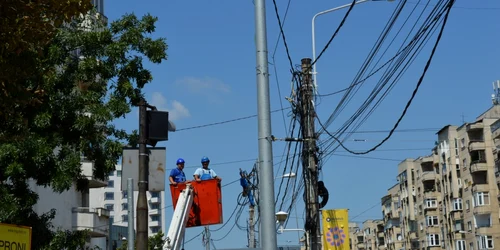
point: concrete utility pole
(208, 238)
(251, 227)
(130, 201)
(309, 156)
(266, 182)
(142, 205)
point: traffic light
(157, 126)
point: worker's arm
(171, 179)
(197, 177)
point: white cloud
(176, 110)
(202, 85)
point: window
(469, 225)
(460, 245)
(467, 204)
(109, 196)
(155, 218)
(155, 229)
(462, 143)
(124, 206)
(430, 203)
(111, 219)
(456, 147)
(155, 194)
(471, 246)
(124, 195)
(112, 173)
(155, 206)
(109, 207)
(457, 204)
(124, 218)
(111, 183)
(481, 199)
(119, 173)
(433, 240)
(432, 220)
(485, 242)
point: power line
(448, 8)
(227, 121)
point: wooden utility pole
(309, 156)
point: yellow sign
(335, 229)
(14, 237)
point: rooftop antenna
(495, 97)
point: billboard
(335, 229)
(15, 237)
(157, 168)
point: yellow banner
(15, 237)
(335, 229)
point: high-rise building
(114, 198)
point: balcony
(429, 176)
(381, 234)
(485, 231)
(154, 200)
(478, 166)
(486, 209)
(430, 194)
(495, 131)
(477, 145)
(361, 245)
(94, 219)
(154, 211)
(87, 171)
(480, 188)
(475, 126)
(154, 224)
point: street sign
(15, 237)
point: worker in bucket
(177, 174)
(205, 173)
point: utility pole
(266, 182)
(309, 156)
(251, 227)
(208, 238)
(142, 206)
(130, 201)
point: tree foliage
(80, 78)
(26, 28)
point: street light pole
(313, 35)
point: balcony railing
(96, 220)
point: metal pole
(142, 206)
(130, 201)
(309, 156)
(266, 184)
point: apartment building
(449, 199)
(73, 208)
(114, 199)
(391, 219)
(408, 208)
(356, 238)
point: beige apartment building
(449, 199)
(391, 213)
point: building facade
(450, 198)
(114, 199)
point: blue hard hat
(180, 161)
(204, 159)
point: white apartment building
(114, 199)
(73, 209)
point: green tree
(154, 242)
(70, 240)
(26, 27)
(86, 77)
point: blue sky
(210, 77)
